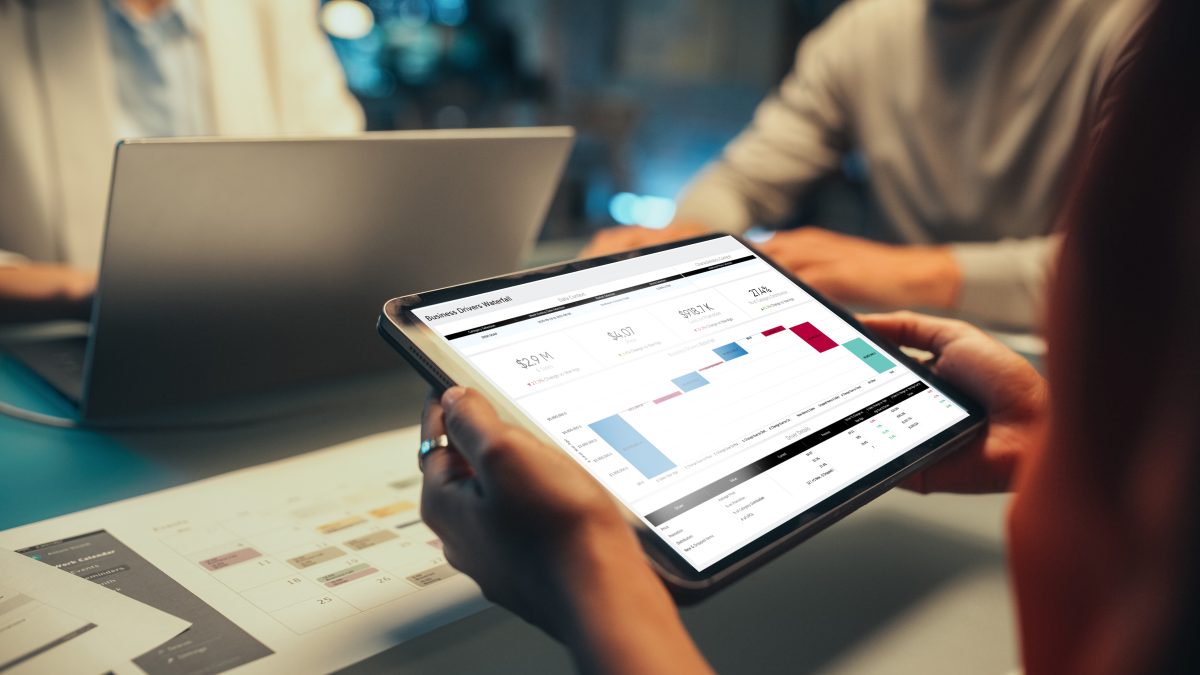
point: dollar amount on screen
(619, 333)
(534, 359)
(696, 310)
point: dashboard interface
(712, 395)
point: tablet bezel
(442, 366)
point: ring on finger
(429, 445)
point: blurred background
(654, 87)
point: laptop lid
(237, 267)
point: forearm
(931, 277)
(623, 619)
(798, 135)
(1004, 282)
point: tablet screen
(711, 394)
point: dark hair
(1125, 334)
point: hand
(542, 538)
(859, 271)
(627, 238)
(1013, 393)
(41, 292)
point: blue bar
(633, 446)
(690, 381)
(730, 351)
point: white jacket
(271, 71)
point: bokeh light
(347, 19)
(648, 211)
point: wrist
(933, 277)
(604, 574)
(620, 616)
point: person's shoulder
(877, 14)
(877, 24)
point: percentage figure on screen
(534, 359)
(619, 333)
(695, 310)
(760, 291)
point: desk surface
(907, 584)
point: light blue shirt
(161, 76)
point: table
(908, 584)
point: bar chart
(713, 402)
(619, 434)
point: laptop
(240, 267)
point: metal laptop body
(215, 248)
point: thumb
(909, 329)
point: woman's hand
(1014, 394)
(542, 538)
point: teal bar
(869, 355)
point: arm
(1000, 283)
(798, 135)
(1004, 283)
(544, 540)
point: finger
(770, 247)
(612, 240)
(793, 256)
(599, 241)
(442, 465)
(805, 242)
(431, 416)
(445, 466)
(447, 491)
(826, 281)
(472, 424)
(910, 329)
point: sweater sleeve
(1004, 282)
(797, 135)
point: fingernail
(451, 396)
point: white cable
(34, 417)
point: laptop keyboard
(58, 361)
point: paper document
(54, 622)
(303, 565)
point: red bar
(668, 397)
(771, 331)
(815, 338)
(710, 366)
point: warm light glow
(347, 19)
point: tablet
(728, 407)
